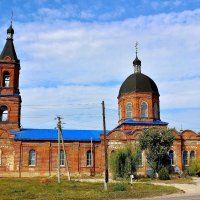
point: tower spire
(9, 49)
(137, 62)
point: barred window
(32, 157)
(62, 158)
(185, 158)
(129, 110)
(89, 158)
(144, 110)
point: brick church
(34, 152)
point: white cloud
(64, 56)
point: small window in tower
(144, 110)
(6, 79)
(3, 113)
(89, 158)
(155, 110)
(129, 110)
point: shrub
(163, 174)
(194, 168)
(120, 187)
(123, 162)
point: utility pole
(59, 134)
(65, 155)
(105, 148)
(91, 164)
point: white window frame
(144, 113)
(129, 110)
(30, 159)
(185, 164)
(89, 158)
(62, 158)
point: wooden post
(105, 149)
(66, 159)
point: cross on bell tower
(137, 62)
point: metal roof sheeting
(52, 134)
(155, 122)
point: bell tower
(10, 99)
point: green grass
(49, 189)
(186, 180)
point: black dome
(10, 29)
(138, 82)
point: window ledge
(32, 165)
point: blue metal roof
(52, 134)
(155, 122)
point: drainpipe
(20, 159)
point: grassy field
(49, 189)
(186, 180)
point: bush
(123, 162)
(120, 187)
(163, 174)
(194, 168)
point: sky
(76, 53)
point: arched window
(155, 109)
(6, 79)
(171, 157)
(192, 155)
(3, 113)
(144, 110)
(32, 158)
(140, 159)
(89, 158)
(120, 112)
(62, 158)
(129, 110)
(185, 158)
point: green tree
(123, 162)
(157, 143)
(194, 168)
